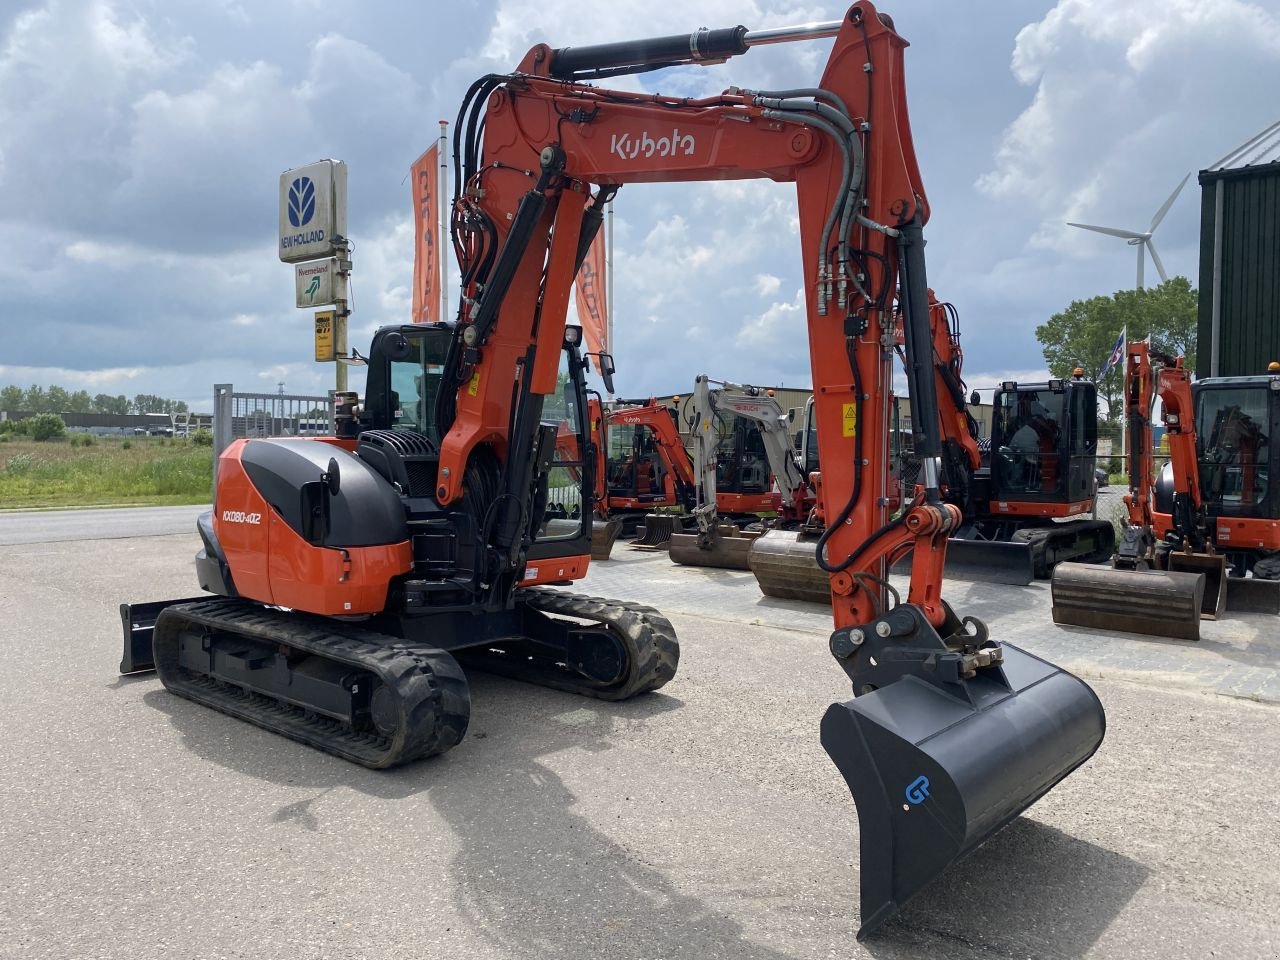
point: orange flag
(425, 174)
(589, 296)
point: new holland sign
(313, 212)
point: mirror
(974, 399)
(397, 347)
(606, 370)
(332, 478)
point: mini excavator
(760, 457)
(357, 575)
(1202, 538)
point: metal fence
(240, 415)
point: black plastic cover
(366, 511)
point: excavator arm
(950, 734)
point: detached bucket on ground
(1214, 568)
(728, 548)
(1159, 603)
(785, 565)
(603, 535)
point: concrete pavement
(700, 821)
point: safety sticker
(474, 386)
(850, 419)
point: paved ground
(700, 821)
(53, 526)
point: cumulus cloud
(140, 145)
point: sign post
(313, 236)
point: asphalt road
(111, 523)
(700, 821)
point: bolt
(883, 629)
(445, 473)
(856, 637)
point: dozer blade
(785, 566)
(139, 622)
(1159, 603)
(1214, 568)
(728, 549)
(934, 774)
(603, 535)
(984, 561)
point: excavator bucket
(1253, 595)
(657, 529)
(1214, 568)
(1159, 603)
(603, 535)
(935, 773)
(785, 566)
(727, 549)
(984, 561)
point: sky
(141, 142)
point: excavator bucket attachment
(1214, 568)
(727, 549)
(984, 561)
(603, 535)
(1159, 603)
(1253, 595)
(657, 529)
(786, 567)
(935, 772)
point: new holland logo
(627, 147)
(302, 201)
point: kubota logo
(918, 790)
(628, 147)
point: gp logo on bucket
(302, 201)
(918, 790)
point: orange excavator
(1020, 499)
(645, 476)
(1201, 539)
(356, 576)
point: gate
(241, 415)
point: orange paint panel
(553, 569)
(1247, 534)
(1019, 509)
(332, 581)
(241, 520)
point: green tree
(58, 400)
(36, 400)
(79, 402)
(105, 403)
(11, 398)
(1084, 333)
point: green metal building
(1239, 322)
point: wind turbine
(1141, 240)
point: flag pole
(1128, 468)
(443, 245)
(610, 304)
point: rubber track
(1039, 538)
(430, 685)
(652, 650)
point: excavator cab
(1043, 442)
(1235, 418)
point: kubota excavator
(1208, 522)
(754, 419)
(1016, 499)
(356, 573)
